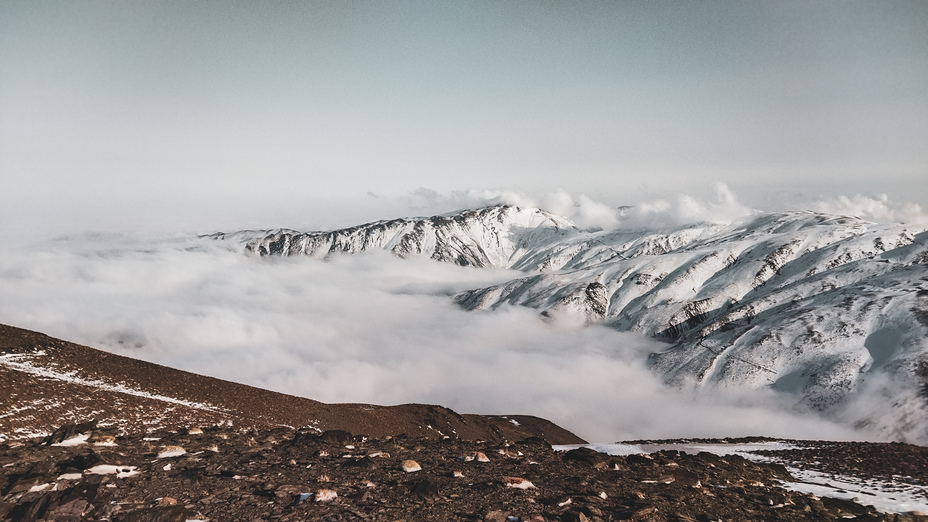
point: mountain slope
(46, 382)
(814, 306)
(499, 236)
(824, 309)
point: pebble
(104, 440)
(475, 455)
(410, 466)
(518, 483)
(171, 451)
(325, 495)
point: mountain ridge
(49, 382)
(817, 307)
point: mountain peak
(494, 236)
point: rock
(410, 466)
(103, 440)
(72, 511)
(69, 431)
(517, 483)
(171, 451)
(475, 455)
(325, 495)
(641, 460)
(584, 455)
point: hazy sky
(196, 114)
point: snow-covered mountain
(825, 309)
(499, 236)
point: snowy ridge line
(13, 361)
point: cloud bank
(721, 206)
(367, 328)
(874, 208)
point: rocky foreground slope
(824, 309)
(222, 474)
(164, 445)
(47, 382)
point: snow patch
(76, 440)
(119, 471)
(893, 496)
(16, 362)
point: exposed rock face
(815, 306)
(587, 302)
(285, 474)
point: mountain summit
(499, 236)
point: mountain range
(828, 311)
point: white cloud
(679, 209)
(369, 328)
(683, 209)
(880, 209)
(584, 211)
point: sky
(208, 115)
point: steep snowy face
(498, 236)
(827, 310)
(818, 307)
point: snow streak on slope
(22, 363)
(829, 310)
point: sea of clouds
(378, 329)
